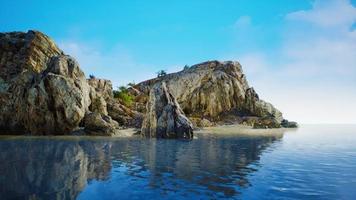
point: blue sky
(298, 54)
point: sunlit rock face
(214, 90)
(102, 86)
(164, 118)
(43, 91)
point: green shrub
(131, 84)
(123, 94)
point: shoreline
(242, 130)
(221, 130)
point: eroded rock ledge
(43, 91)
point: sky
(300, 55)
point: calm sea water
(313, 162)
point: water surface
(313, 162)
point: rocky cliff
(43, 91)
(216, 92)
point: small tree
(131, 84)
(161, 73)
(186, 67)
(123, 89)
(91, 76)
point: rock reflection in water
(50, 169)
(62, 169)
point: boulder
(289, 124)
(266, 122)
(200, 122)
(57, 101)
(98, 124)
(164, 117)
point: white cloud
(312, 77)
(327, 13)
(117, 64)
(328, 48)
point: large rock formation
(43, 91)
(164, 117)
(217, 91)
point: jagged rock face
(124, 115)
(164, 117)
(51, 102)
(59, 100)
(210, 89)
(103, 101)
(21, 52)
(43, 91)
(102, 86)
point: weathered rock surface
(57, 101)
(127, 117)
(164, 117)
(213, 91)
(102, 86)
(43, 91)
(98, 124)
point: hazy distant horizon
(300, 55)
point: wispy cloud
(327, 46)
(117, 64)
(312, 76)
(327, 13)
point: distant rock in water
(43, 91)
(217, 92)
(164, 117)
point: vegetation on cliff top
(122, 93)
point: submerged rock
(164, 117)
